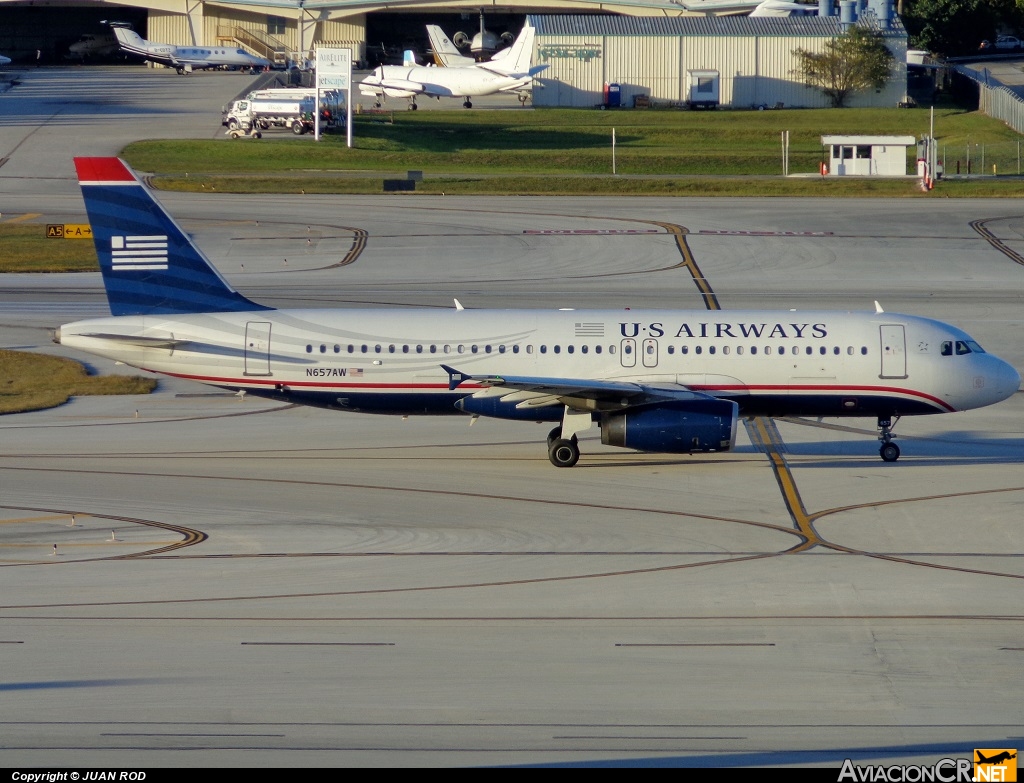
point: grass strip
(31, 381)
(25, 248)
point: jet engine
(673, 427)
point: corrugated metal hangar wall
(650, 56)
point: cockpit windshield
(960, 347)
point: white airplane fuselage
(401, 81)
(672, 381)
(385, 361)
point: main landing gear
(563, 445)
(888, 451)
(467, 104)
(563, 452)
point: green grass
(515, 144)
(30, 382)
(27, 249)
(573, 186)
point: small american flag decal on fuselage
(143, 253)
(584, 329)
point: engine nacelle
(673, 427)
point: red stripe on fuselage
(466, 387)
(826, 388)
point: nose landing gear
(888, 451)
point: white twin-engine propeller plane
(656, 380)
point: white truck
(250, 115)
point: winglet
(454, 377)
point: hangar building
(660, 59)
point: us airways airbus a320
(656, 380)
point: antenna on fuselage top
(878, 307)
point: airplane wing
(526, 76)
(588, 394)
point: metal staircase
(258, 43)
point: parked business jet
(511, 73)
(94, 45)
(654, 380)
(185, 59)
(484, 44)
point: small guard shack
(703, 89)
(867, 156)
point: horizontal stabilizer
(139, 340)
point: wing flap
(580, 394)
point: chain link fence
(996, 100)
(980, 159)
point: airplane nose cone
(1004, 380)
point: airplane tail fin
(519, 57)
(127, 37)
(149, 265)
(445, 52)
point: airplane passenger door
(627, 352)
(257, 348)
(650, 352)
(894, 351)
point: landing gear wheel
(413, 106)
(889, 452)
(564, 453)
(468, 104)
(554, 435)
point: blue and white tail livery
(653, 380)
(149, 265)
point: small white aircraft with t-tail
(673, 381)
(511, 73)
(185, 59)
(446, 53)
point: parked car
(1008, 42)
